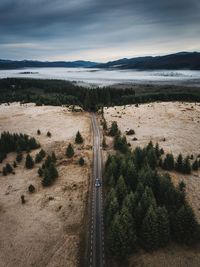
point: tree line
(14, 142)
(55, 92)
(143, 208)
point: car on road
(97, 182)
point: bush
(48, 134)
(70, 151)
(29, 162)
(38, 132)
(81, 161)
(23, 199)
(53, 157)
(9, 168)
(31, 188)
(130, 132)
(79, 138)
(4, 171)
(14, 164)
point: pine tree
(179, 163)
(79, 138)
(40, 172)
(114, 129)
(195, 165)
(81, 161)
(38, 132)
(19, 157)
(53, 157)
(48, 134)
(152, 158)
(157, 151)
(104, 145)
(9, 168)
(53, 171)
(14, 164)
(168, 163)
(185, 226)
(163, 226)
(38, 158)
(42, 153)
(70, 151)
(29, 162)
(4, 171)
(150, 230)
(121, 189)
(186, 166)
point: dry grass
(46, 230)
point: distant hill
(182, 60)
(10, 64)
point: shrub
(130, 132)
(31, 188)
(48, 134)
(53, 157)
(81, 161)
(42, 153)
(23, 199)
(38, 132)
(4, 171)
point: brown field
(47, 229)
(176, 127)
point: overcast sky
(97, 30)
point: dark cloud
(97, 28)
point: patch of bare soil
(175, 126)
(46, 230)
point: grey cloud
(87, 25)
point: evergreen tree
(38, 158)
(121, 189)
(70, 151)
(42, 153)
(185, 226)
(182, 186)
(152, 158)
(53, 171)
(195, 165)
(104, 145)
(9, 168)
(4, 171)
(179, 163)
(186, 166)
(150, 230)
(46, 181)
(114, 129)
(14, 164)
(81, 161)
(40, 172)
(29, 162)
(157, 151)
(19, 157)
(168, 163)
(53, 157)
(48, 134)
(38, 132)
(163, 226)
(79, 138)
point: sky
(97, 30)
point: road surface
(96, 255)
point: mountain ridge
(178, 61)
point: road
(96, 255)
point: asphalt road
(97, 231)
